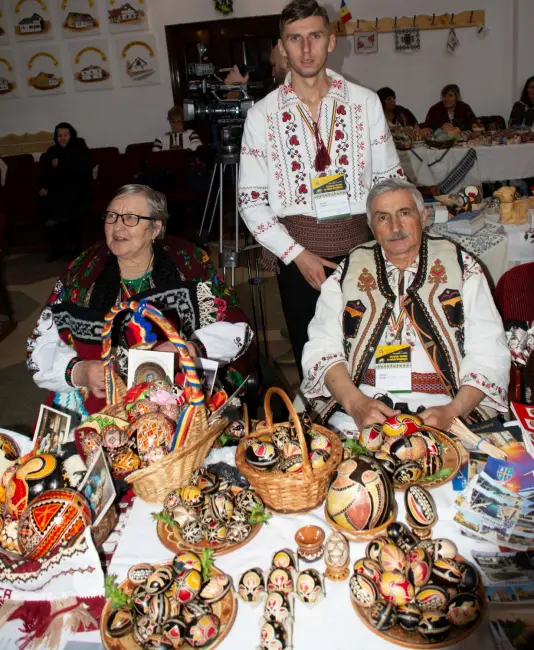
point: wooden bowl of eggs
(416, 595)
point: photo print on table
(90, 63)
(79, 18)
(98, 487)
(31, 20)
(52, 431)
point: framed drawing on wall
(8, 77)
(79, 18)
(42, 70)
(5, 35)
(90, 65)
(124, 16)
(32, 20)
(138, 60)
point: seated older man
(408, 319)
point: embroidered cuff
(314, 386)
(496, 396)
(70, 369)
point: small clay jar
(310, 543)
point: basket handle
(145, 311)
(274, 390)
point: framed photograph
(149, 365)
(366, 42)
(53, 428)
(98, 488)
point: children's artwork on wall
(90, 65)
(42, 70)
(8, 78)
(5, 35)
(31, 19)
(366, 42)
(125, 15)
(79, 18)
(138, 60)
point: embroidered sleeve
(194, 141)
(254, 193)
(385, 160)
(225, 342)
(471, 266)
(159, 143)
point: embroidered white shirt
(188, 140)
(278, 154)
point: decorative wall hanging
(79, 18)
(4, 29)
(407, 40)
(8, 78)
(473, 18)
(366, 43)
(126, 16)
(42, 70)
(452, 41)
(90, 65)
(31, 19)
(224, 7)
(138, 60)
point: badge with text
(330, 197)
(393, 368)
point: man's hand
(312, 268)
(91, 375)
(439, 417)
(366, 411)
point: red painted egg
(396, 588)
(402, 425)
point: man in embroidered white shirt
(315, 124)
(406, 290)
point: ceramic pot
(310, 543)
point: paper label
(393, 368)
(330, 197)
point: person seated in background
(396, 115)
(64, 350)
(451, 112)
(279, 66)
(413, 289)
(523, 111)
(66, 177)
(177, 137)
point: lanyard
(322, 157)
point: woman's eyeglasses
(129, 220)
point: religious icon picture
(149, 366)
(127, 16)
(31, 19)
(90, 65)
(52, 431)
(138, 61)
(98, 488)
(366, 42)
(79, 18)
(8, 79)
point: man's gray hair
(157, 203)
(394, 185)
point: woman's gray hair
(394, 185)
(157, 203)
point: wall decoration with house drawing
(79, 18)
(43, 70)
(91, 66)
(5, 35)
(31, 20)
(126, 16)
(8, 79)
(138, 61)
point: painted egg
(237, 532)
(336, 551)
(125, 462)
(318, 458)
(185, 561)
(395, 530)
(173, 500)
(371, 437)
(202, 631)
(240, 516)
(463, 610)
(173, 632)
(433, 443)
(89, 441)
(192, 496)
(183, 516)
(402, 425)
(187, 586)
(420, 506)
(368, 568)
(396, 588)
(292, 465)
(262, 455)
(222, 506)
(434, 626)
(431, 597)
(143, 628)
(140, 408)
(406, 542)
(406, 473)
(138, 573)
(284, 559)
(277, 607)
(431, 464)
(280, 580)
(159, 580)
(419, 567)
(383, 615)
(427, 545)
(392, 558)
(387, 462)
(159, 608)
(251, 585)
(273, 636)
(281, 436)
(386, 445)
(363, 590)
(152, 430)
(408, 617)
(320, 442)
(215, 531)
(247, 500)
(140, 600)
(208, 483)
(170, 411)
(409, 448)
(470, 579)
(195, 609)
(446, 572)
(114, 438)
(215, 588)
(291, 449)
(153, 455)
(444, 548)
(119, 622)
(9, 448)
(309, 586)
(54, 518)
(9, 534)
(372, 550)
(360, 496)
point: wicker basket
(287, 492)
(154, 482)
(440, 144)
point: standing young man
(315, 125)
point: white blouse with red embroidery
(278, 153)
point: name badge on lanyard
(393, 368)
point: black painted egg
(185, 561)
(409, 472)
(420, 506)
(277, 607)
(363, 590)
(159, 608)
(215, 588)
(444, 548)
(173, 500)
(408, 617)
(216, 531)
(470, 579)
(431, 597)
(247, 500)
(187, 586)
(237, 532)
(431, 464)
(208, 483)
(138, 573)
(193, 532)
(396, 529)
(318, 458)
(409, 448)
(419, 567)
(309, 587)
(463, 609)
(392, 558)
(427, 545)
(291, 465)
(406, 542)
(284, 559)
(273, 636)
(281, 435)
(222, 506)
(140, 600)
(383, 615)
(119, 622)
(251, 585)
(368, 568)
(387, 462)
(446, 572)
(433, 443)
(144, 627)
(372, 551)
(173, 632)
(157, 642)
(396, 588)
(192, 496)
(159, 580)
(195, 609)
(434, 626)
(262, 455)
(280, 580)
(201, 631)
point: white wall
(486, 69)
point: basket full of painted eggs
(417, 593)
(288, 468)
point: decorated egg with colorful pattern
(411, 447)
(395, 530)
(9, 448)
(431, 464)
(309, 586)
(371, 437)
(446, 572)
(173, 500)
(187, 586)
(195, 609)
(261, 455)
(185, 561)
(318, 458)
(251, 585)
(420, 506)
(152, 430)
(383, 615)
(183, 516)
(280, 580)
(215, 588)
(291, 448)
(387, 462)
(373, 549)
(273, 636)
(402, 425)
(281, 436)
(202, 631)
(396, 588)
(363, 590)
(247, 500)
(222, 506)
(409, 472)
(434, 626)
(408, 617)
(144, 627)
(433, 443)
(138, 573)
(193, 532)
(125, 462)
(431, 597)
(444, 548)
(140, 600)
(237, 532)
(208, 483)
(320, 442)
(369, 568)
(336, 551)
(470, 578)
(427, 545)
(277, 607)
(463, 609)
(292, 465)
(406, 542)
(159, 608)
(114, 438)
(119, 622)
(284, 559)
(159, 580)
(392, 558)
(215, 531)
(192, 496)
(173, 632)
(9, 534)
(140, 408)
(419, 567)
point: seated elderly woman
(409, 297)
(178, 278)
(396, 115)
(450, 112)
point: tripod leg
(221, 214)
(207, 202)
(235, 174)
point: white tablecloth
(426, 166)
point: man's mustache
(397, 235)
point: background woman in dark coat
(523, 111)
(451, 110)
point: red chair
(140, 152)
(20, 202)
(6, 308)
